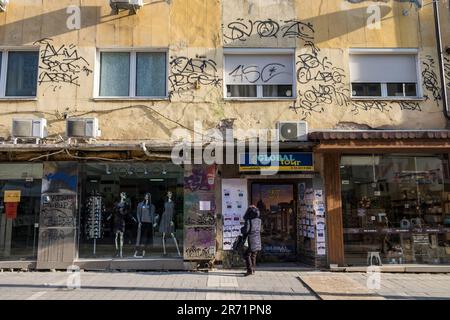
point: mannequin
(121, 210)
(145, 214)
(166, 225)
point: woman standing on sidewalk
(251, 231)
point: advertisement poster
(234, 205)
(11, 210)
(319, 209)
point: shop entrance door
(18, 226)
(276, 203)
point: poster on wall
(319, 210)
(234, 205)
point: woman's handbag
(238, 243)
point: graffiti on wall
(430, 78)
(447, 71)
(61, 64)
(187, 74)
(326, 83)
(242, 29)
(253, 73)
(199, 243)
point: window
(132, 74)
(100, 220)
(384, 73)
(19, 73)
(396, 205)
(259, 74)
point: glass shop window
(19, 220)
(126, 209)
(133, 74)
(19, 73)
(396, 207)
(383, 74)
(259, 75)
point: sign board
(12, 196)
(11, 210)
(234, 206)
(283, 161)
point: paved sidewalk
(220, 284)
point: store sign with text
(12, 196)
(283, 161)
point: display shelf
(395, 230)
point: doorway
(277, 204)
(18, 233)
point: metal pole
(437, 21)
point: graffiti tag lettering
(187, 73)
(61, 64)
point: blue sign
(282, 161)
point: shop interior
(125, 211)
(19, 225)
(396, 209)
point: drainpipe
(441, 59)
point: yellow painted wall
(197, 30)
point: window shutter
(382, 68)
(259, 69)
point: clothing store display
(146, 234)
(121, 210)
(165, 226)
(95, 209)
(145, 212)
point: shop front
(20, 194)
(397, 207)
(388, 197)
(291, 203)
(106, 215)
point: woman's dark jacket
(252, 229)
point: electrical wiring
(96, 158)
(46, 155)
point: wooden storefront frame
(332, 150)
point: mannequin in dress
(145, 214)
(166, 224)
(121, 210)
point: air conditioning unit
(132, 5)
(29, 129)
(84, 128)
(292, 131)
(3, 4)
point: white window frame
(384, 91)
(259, 88)
(4, 72)
(132, 85)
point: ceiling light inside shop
(156, 180)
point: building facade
(369, 78)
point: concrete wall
(194, 32)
